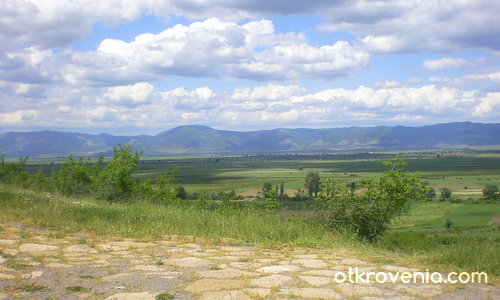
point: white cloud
(208, 49)
(128, 95)
(443, 64)
(262, 107)
(413, 25)
(385, 26)
(218, 49)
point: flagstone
(316, 293)
(224, 295)
(271, 281)
(204, 285)
(188, 262)
(226, 273)
(278, 269)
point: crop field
(464, 173)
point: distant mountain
(195, 139)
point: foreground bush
(368, 208)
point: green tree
(445, 194)
(431, 193)
(12, 172)
(77, 176)
(490, 192)
(376, 203)
(271, 200)
(267, 187)
(282, 188)
(115, 182)
(312, 183)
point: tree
(369, 211)
(271, 200)
(312, 183)
(267, 187)
(431, 193)
(445, 194)
(282, 188)
(490, 192)
(115, 182)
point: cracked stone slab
(271, 281)
(206, 285)
(275, 269)
(7, 242)
(316, 293)
(225, 295)
(310, 263)
(226, 273)
(316, 280)
(80, 249)
(188, 262)
(35, 248)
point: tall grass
(146, 220)
(457, 250)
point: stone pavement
(38, 263)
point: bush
(445, 194)
(12, 172)
(369, 210)
(490, 192)
(115, 180)
(77, 176)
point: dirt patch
(496, 220)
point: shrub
(445, 194)
(369, 210)
(115, 180)
(490, 192)
(12, 172)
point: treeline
(111, 181)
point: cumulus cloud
(207, 49)
(384, 26)
(395, 26)
(443, 64)
(218, 49)
(265, 106)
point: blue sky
(141, 67)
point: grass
(456, 249)
(77, 289)
(433, 215)
(144, 220)
(164, 296)
(30, 288)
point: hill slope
(195, 139)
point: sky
(146, 66)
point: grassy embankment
(462, 248)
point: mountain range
(196, 139)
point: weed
(56, 235)
(29, 288)
(164, 296)
(77, 289)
